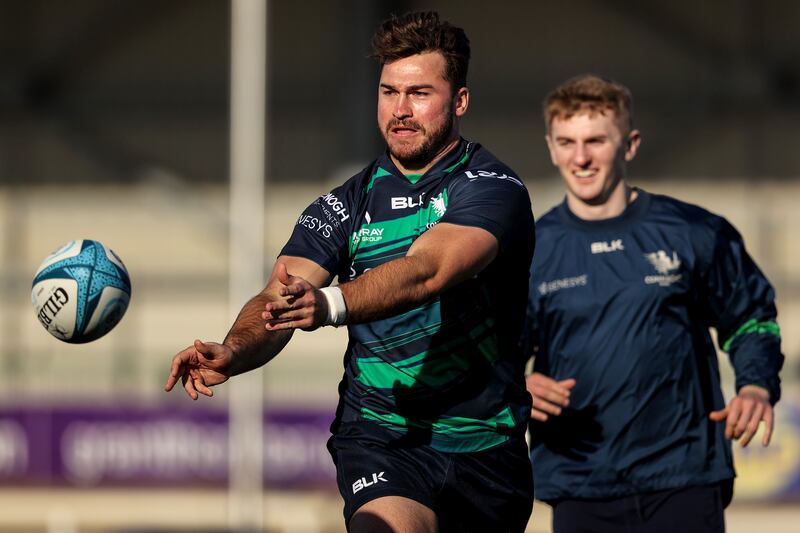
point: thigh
(393, 514)
(689, 510)
(487, 491)
(614, 515)
(367, 469)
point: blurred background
(114, 126)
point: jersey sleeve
(741, 305)
(321, 231)
(529, 340)
(494, 201)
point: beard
(418, 155)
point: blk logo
(364, 482)
(602, 247)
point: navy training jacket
(624, 306)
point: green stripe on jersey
(451, 434)
(380, 173)
(427, 368)
(370, 239)
(753, 326)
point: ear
(461, 101)
(632, 143)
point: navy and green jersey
(449, 373)
(624, 306)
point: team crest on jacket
(666, 266)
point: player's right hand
(200, 366)
(549, 395)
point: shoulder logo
(602, 247)
(487, 174)
(666, 266)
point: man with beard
(431, 245)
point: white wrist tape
(337, 309)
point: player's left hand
(303, 306)
(744, 413)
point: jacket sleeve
(740, 303)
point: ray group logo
(666, 266)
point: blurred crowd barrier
(95, 415)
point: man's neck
(613, 206)
(423, 169)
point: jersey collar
(450, 162)
(632, 213)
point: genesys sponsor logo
(315, 224)
(488, 174)
(547, 287)
(364, 482)
(337, 205)
(666, 266)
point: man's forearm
(390, 289)
(252, 345)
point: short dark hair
(420, 32)
(592, 94)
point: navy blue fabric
(624, 306)
(480, 492)
(689, 510)
(459, 369)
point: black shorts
(487, 491)
(687, 510)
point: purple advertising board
(95, 445)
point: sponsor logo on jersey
(368, 235)
(364, 482)
(666, 266)
(603, 247)
(337, 206)
(487, 174)
(438, 205)
(315, 224)
(407, 202)
(546, 287)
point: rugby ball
(81, 291)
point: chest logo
(439, 206)
(602, 247)
(666, 266)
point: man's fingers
(752, 424)
(188, 385)
(567, 383)
(768, 421)
(538, 415)
(747, 410)
(546, 406)
(718, 416)
(734, 411)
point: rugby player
(629, 428)
(431, 244)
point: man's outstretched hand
(200, 366)
(744, 413)
(303, 306)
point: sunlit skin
(591, 150)
(418, 112)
